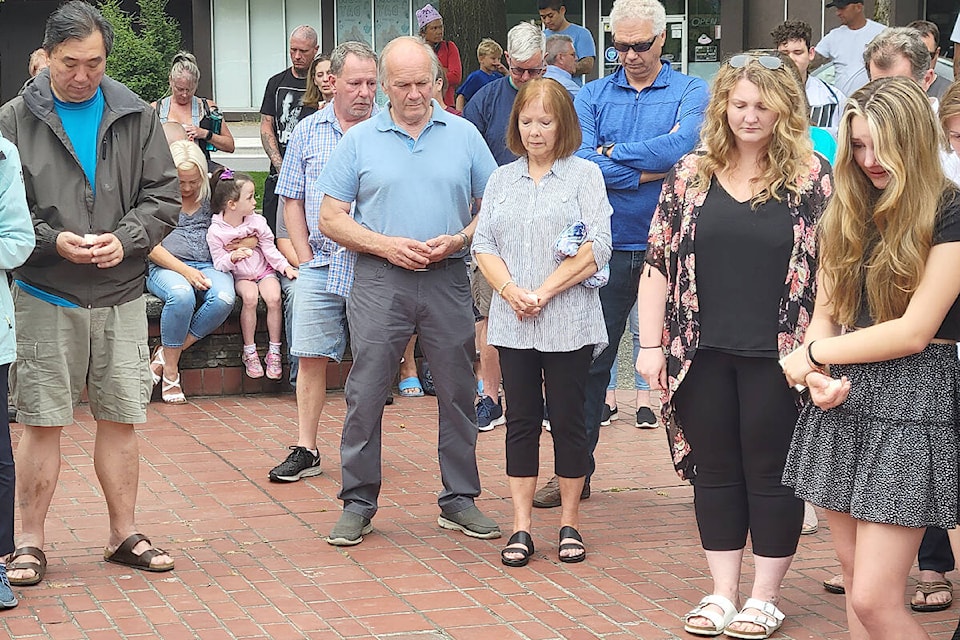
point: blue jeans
(638, 382)
(617, 299)
(180, 311)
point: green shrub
(143, 46)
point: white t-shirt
(951, 165)
(826, 103)
(955, 36)
(845, 47)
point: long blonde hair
(787, 155)
(878, 240)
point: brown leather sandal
(930, 588)
(125, 556)
(39, 568)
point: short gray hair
(557, 44)
(896, 42)
(434, 61)
(306, 32)
(338, 57)
(76, 20)
(525, 40)
(651, 10)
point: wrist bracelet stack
(813, 362)
(504, 286)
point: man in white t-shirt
(793, 39)
(845, 44)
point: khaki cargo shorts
(60, 350)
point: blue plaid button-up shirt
(310, 146)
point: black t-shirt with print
(283, 100)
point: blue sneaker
(489, 414)
(7, 599)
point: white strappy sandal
(720, 622)
(167, 393)
(157, 361)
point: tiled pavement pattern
(251, 562)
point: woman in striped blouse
(546, 322)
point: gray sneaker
(349, 530)
(470, 521)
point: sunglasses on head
(638, 47)
(769, 62)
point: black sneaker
(299, 464)
(646, 418)
(489, 414)
(607, 415)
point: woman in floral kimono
(728, 289)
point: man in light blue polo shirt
(414, 172)
(553, 15)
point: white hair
(525, 40)
(651, 10)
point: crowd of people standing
(832, 379)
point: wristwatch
(605, 149)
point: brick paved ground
(251, 562)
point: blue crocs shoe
(7, 599)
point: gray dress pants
(386, 306)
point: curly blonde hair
(876, 240)
(786, 160)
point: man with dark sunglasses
(636, 123)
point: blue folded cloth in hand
(568, 243)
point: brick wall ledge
(212, 366)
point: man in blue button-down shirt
(326, 268)
(637, 123)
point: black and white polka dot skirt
(889, 452)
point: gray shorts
(60, 350)
(481, 290)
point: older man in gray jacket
(102, 191)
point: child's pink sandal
(274, 366)
(252, 363)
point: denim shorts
(319, 318)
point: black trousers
(738, 414)
(935, 553)
(7, 476)
(564, 378)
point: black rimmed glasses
(519, 72)
(638, 47)
(741, 60)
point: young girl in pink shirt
(254, 266)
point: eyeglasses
(768, 62)
(638, 47)
(533, 73)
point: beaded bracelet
(504, 286)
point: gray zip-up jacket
(137, 196)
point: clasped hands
(103, 250)
(525, 303)
(825, 392)
(414, 254)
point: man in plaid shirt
(326, 268)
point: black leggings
(738, 414)
(564, 376)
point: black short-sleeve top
(947, 230)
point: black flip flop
(570, 532)
(520, 537)
(124, 555)
(39, 568)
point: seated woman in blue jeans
(181, 273)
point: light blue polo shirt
(417, 189)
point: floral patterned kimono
(670, 251)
